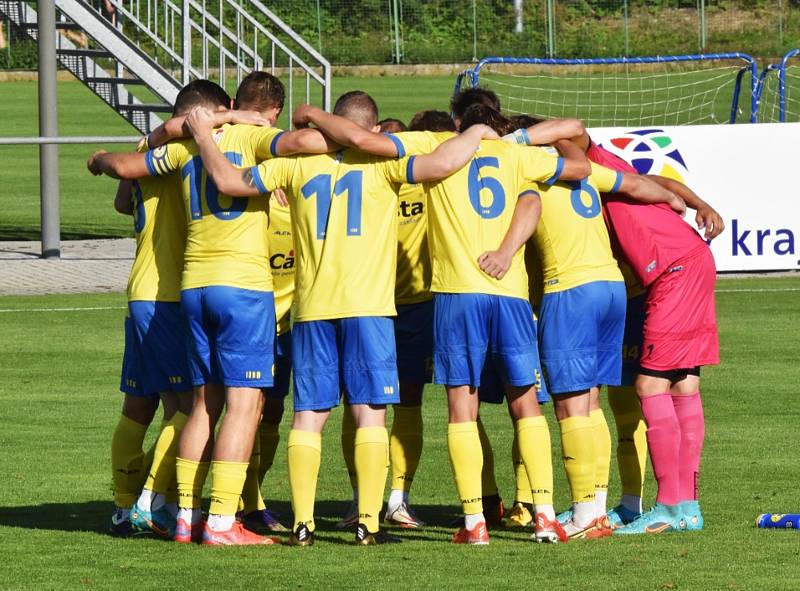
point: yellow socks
(127, 461)
(602, 449)
(161, 476)
(251, 490)
(269, 437)
(577, 443)
(227, 480)
(372, 465)
(488, 482)
(533, 436)
(405, 445)
(523, 493)
(304, 454)
(631, 439)
(191, 476)
(466, 459)
(349, 445)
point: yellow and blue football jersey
(282, 262)
(344, 225)
(227, 238)
(572, 238)
(159, 224)
(413, 256)
(470, 211)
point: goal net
(608, 92)
(779, 90)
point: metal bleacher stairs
(137, 57)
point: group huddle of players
(361, 260)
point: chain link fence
(354, 32)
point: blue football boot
(658, 520)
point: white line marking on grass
(62, 309)
(751, 290)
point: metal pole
(702, 9)
(518, 11)
(319, 29)
(551, 26)
(474, 31)
(396, 21)
(48, 126)
(627, 33)
(780, 24)
(187, 43)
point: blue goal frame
(473, 74)
(780, 68)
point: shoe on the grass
(564, 516)
(658, 520)
(237, 535)
(546, 531)
(301, 536)
(364, 537)
(262, 522)
(121, 527)
(621, 515)
(350, 519)
(577, 531)
(403, 516)
(493, 510)
(477, 536)
(521, 515)
(161, 522)
(602, 529)
(186, 533)
(692, 517)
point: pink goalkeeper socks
(664, 440)
(689, 410)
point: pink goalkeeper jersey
(650, 237)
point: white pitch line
(749, 290)
(62, 309)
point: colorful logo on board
(650, 151)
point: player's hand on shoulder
(709, 220)
(91, 164)
(249, 118)
(200, 122)
(301, 116)
(678, 205)
(280, 197)
(494, 263)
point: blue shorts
(632, 340)
(283, 367)
(230, 335)
(581, 330)
(413, 332)
(492, 390)
(470, 328)
(351, 355)
(155, 357)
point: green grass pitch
(59, 403)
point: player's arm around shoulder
(449, 156)
(706, 218)
(119, 165)
(344, 132)
(576, 165)
(637, 187)
(304, 141)
(229, 179)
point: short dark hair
(488, 116)
(526, 120)
(260, 91)
(358, 107)
(390, 125)
(200, 93)
(473, 96)
(432, 121)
